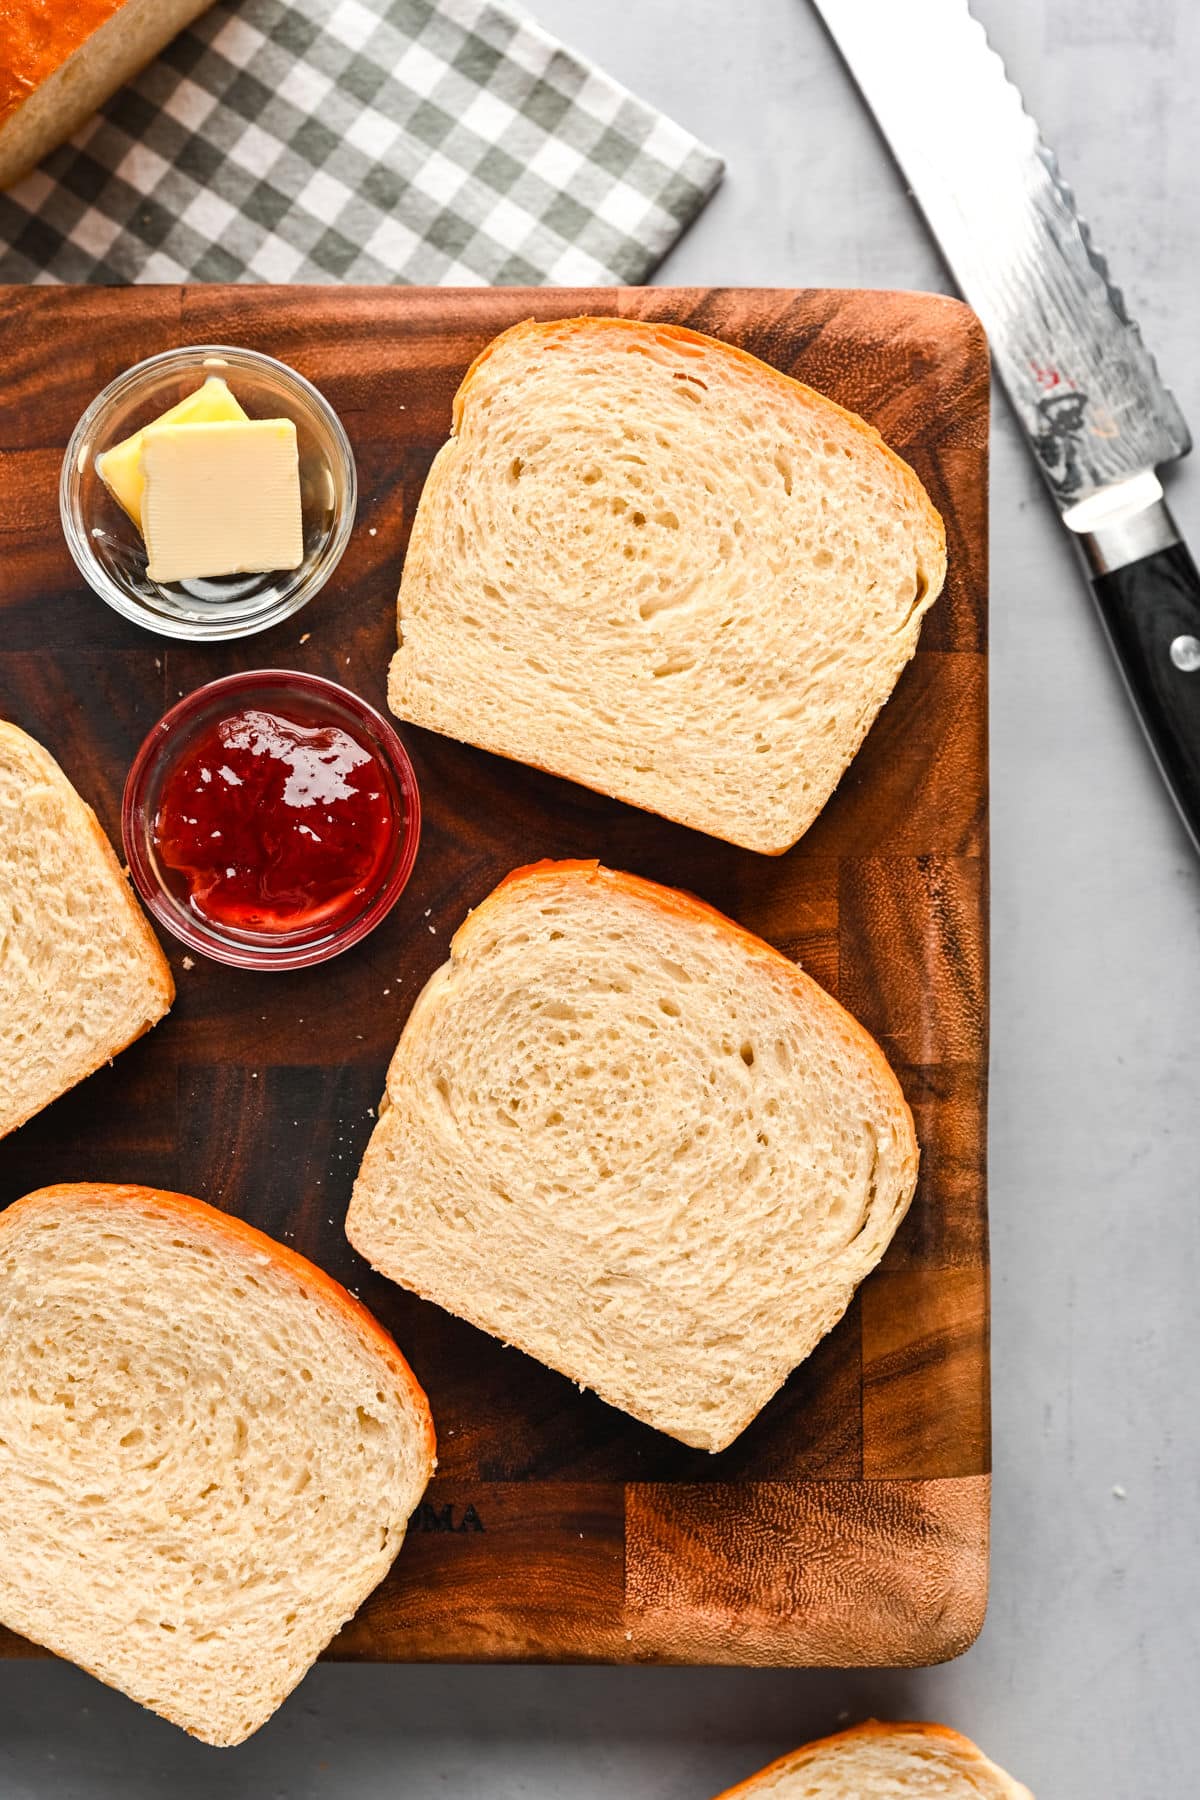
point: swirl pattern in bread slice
(208, 1451)
(652, 563)
(630, 1138)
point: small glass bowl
(315, 701)
(107, 546)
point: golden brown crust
(698, 340)
(688, 906)
(244, 1237)
(874, 1728)
(696, 912)
(38, 36)
(676, 900)
(158, 968)
(531, 339)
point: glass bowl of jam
(106, 539)
(271, 819)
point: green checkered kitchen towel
(361, 140)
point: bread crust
(696, 912)
(158, 970)
(688, 906)
(754, 365)
(531, 338)
(879, 1729)
(37, 37)
(245, 1237)
(61, 59)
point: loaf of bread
(81, 973)
(884, 1762)
(633, 1140)
(649, 562)
(61, 59)
(208, 1451)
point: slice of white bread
(628, 1137)
(81, 973)
(208, 1451)
(649, 562)
(884, 1762)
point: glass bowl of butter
(208, 493)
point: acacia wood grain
(849, 1523)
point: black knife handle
(1151, 611)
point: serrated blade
(1084, 386)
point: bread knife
(1085, 390)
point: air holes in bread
(786, 527)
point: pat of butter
(221, 499)
(120, 469)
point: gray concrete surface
(1085, 1677)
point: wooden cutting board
(849, 1523)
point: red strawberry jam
(276, 825)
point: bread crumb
(428, 910)
(370, 1112)
(1119, 1492)
(189, 962)
(431, 931)
(370, 531)
(306, 637)
(628, 1634)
